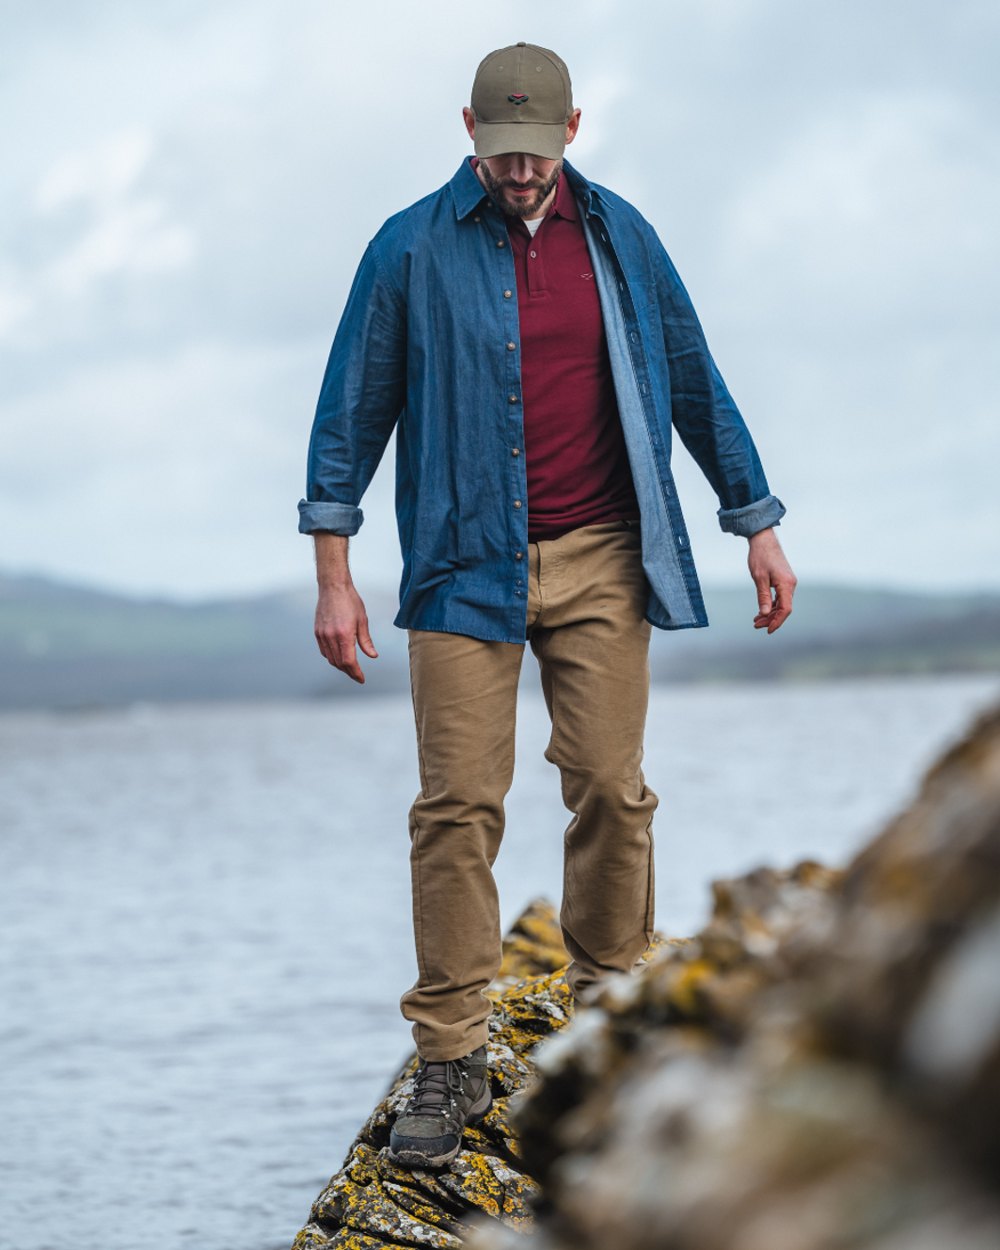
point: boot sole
(413, 1159)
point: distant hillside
(67, 646)
(836, 631)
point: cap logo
(518, 97)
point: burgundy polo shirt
(575, 457)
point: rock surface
(372, 1205)
(818, 1069)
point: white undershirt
(533, 225)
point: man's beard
(519, 207)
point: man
(527, 336)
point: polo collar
(565, 203)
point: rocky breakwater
(818, 1069)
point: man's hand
(770, 571)
(341, 619)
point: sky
(189, 185)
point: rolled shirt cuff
(757, 516)
(331, 518)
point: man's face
(520, 183)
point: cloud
(123, 229)
(179, 470)
(102, 175)
(896, 197)
(92, 220)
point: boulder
(818, 1068)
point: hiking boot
(446, 1096)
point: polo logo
(518, 97)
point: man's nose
(522, 167)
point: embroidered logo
(586, 275)
(518, 97)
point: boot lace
(436, 1086)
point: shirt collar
(466, 190)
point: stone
(371, 1204)
(818, 1067)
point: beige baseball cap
(522, 99)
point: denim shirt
(428, 344)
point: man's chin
(520, 207)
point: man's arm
(341, 619)
(360, 401)
(770, 571)
(714, 432)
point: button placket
(513, 437)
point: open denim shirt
(429, 344)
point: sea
(206, 925)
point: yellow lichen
(371, 1204)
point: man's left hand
(771, 572)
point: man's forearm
(332, 568)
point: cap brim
(546, 140)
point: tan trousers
(586, 599)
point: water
(206, 915)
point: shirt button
(477, 219)
(518, 555)
(532, 255)
(511, 399)
(517, 503)
(500, 243)
(511, 347)
(507, 294)
(515, 451)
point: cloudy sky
(188, 185)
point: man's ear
(470, 121)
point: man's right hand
(341, 619)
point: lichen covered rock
(818, 1068)
(371, 1204)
